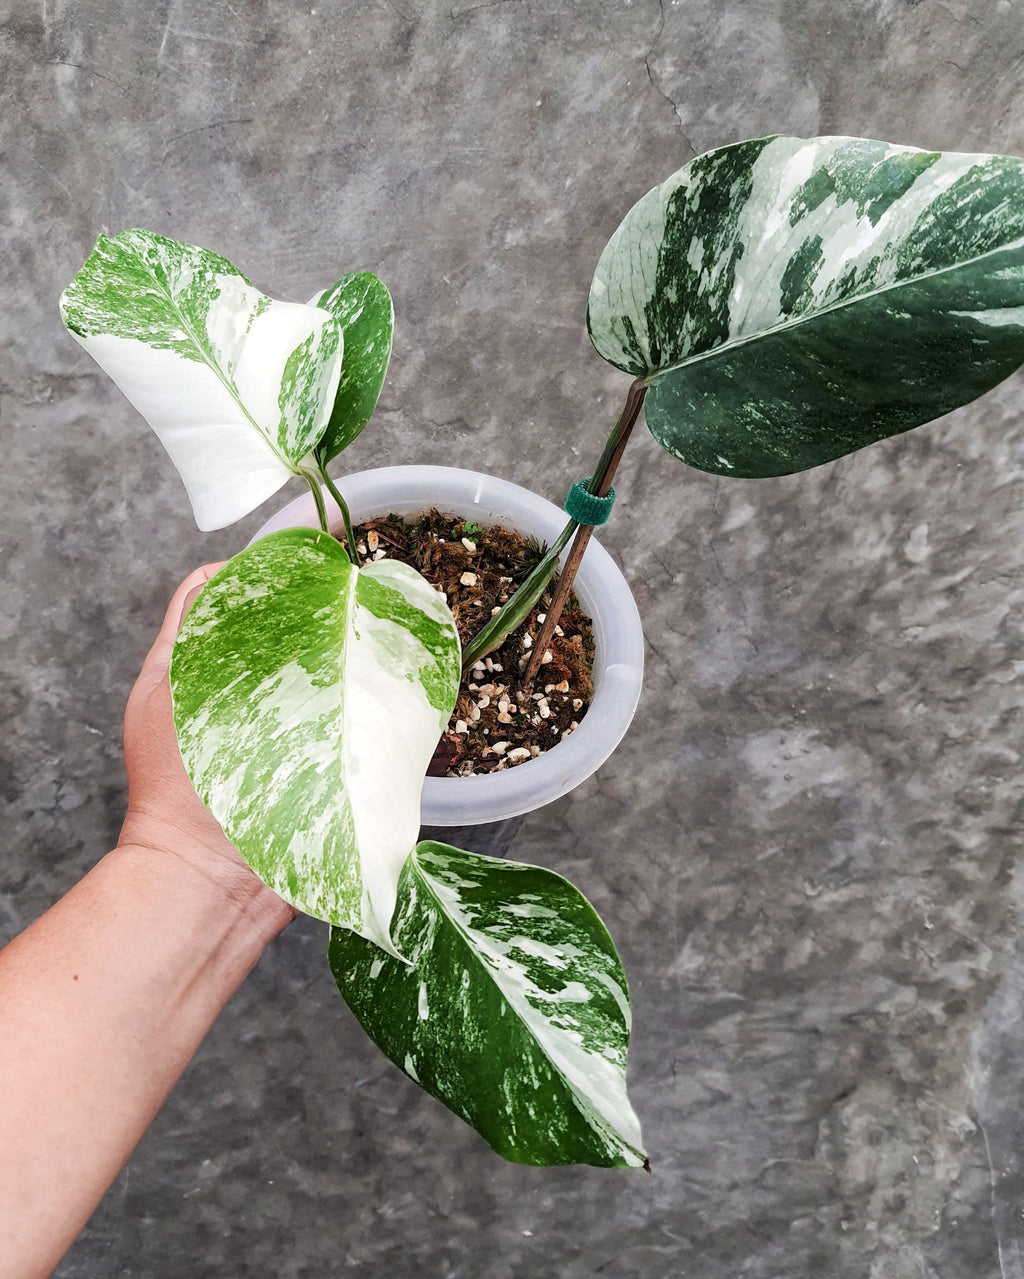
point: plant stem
(318, 498)
(517, 608)
(600, 483)
(350, 536)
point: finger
(181, 601)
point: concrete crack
(203, 128)
(461, 13)
(656, 86)
(1007, 1250)
(78, 66)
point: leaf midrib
(653, 378)
(208, 361)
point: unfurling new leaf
(362, 306)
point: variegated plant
(779, 303)
(309, 695)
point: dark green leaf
(791, 301)
(362, 306)
(514, 1012)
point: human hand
(165, 814)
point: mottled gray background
(807, 847)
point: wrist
(213, 886)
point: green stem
(318, 498)
(518, 606)
(350, 536)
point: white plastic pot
(602, 591)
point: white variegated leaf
(791, 300)
(309, 696)
(238, 387)
(513, 1010)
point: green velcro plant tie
(584, 507)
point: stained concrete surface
(807, 848)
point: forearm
(103, 1001)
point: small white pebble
(520, 752)
(504, 717)
(496, 666)
(542, 618)
(474, 713)
(470, 546)
(489, 664)
(512, 708)
(461, 726)
(554, 728)
(573, 725)
(473, 688)
(371, 540)
(495, 610)
(563, 687)
(478, 666)
(380, 554)
(548, 688)
(499, 748)
(538, 697)
(545, 711)
(484, 702)
(577, 703)
(361, 547)
(503, 704)
(534, 750)
(468, 579)
(527, 641)
(546, 658)
(559, 632)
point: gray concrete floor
(807, 847)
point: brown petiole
(600, 483)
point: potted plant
(778, 303)
(504, 795)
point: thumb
(159, 657)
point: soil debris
(496, 724)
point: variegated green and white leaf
(362, 306)
(309, 696)
(238, 387)
(514, 1012)
(792, 300)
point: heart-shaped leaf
(309, 696)
(514, 1012)
(792, 300)
(362, 306)
(238, 387)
